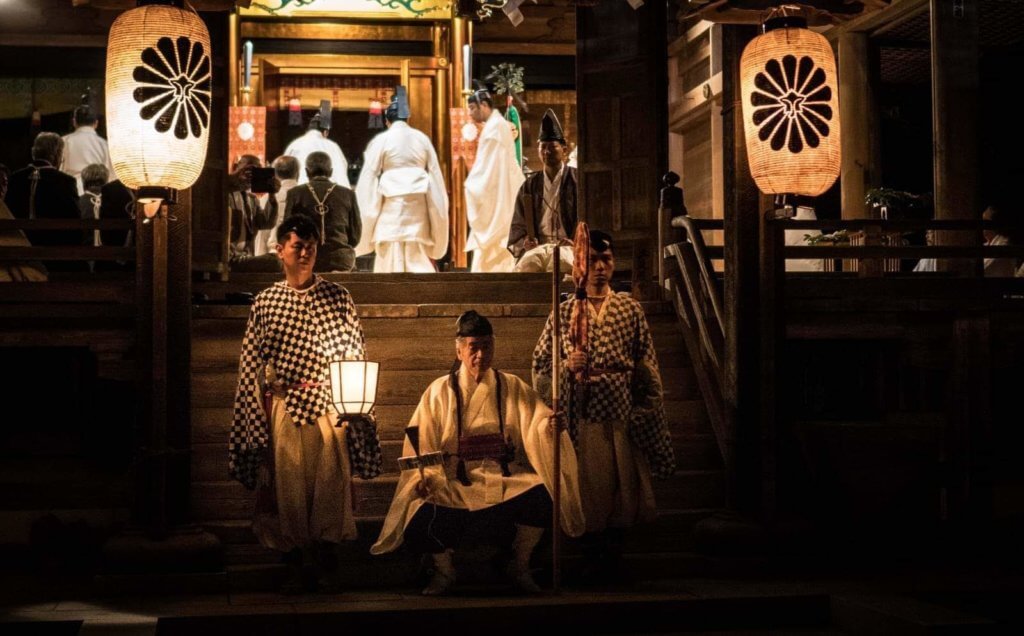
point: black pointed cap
(322, 119)
(472, 325)
(551, 128)
(480, 93)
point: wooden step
(221, 500)
(210, 425)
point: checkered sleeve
(648, 425)
(249, 434)
(542, 363)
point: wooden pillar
(967, 447)
(442, 120)
(741, 286)
(460, 35)
(856, 108)
(955, 85)
(234, 34)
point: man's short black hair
(481, 97)
(299, 224)
(601, 241)
(85, 116)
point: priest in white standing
(85, 147)
(491, 188)
(315, 140)
(402, 196)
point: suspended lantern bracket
(785, 207)
(147, 194)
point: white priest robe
(82, 148)
(314, 141)
(403, 202)
(491, 189)
(527, 427)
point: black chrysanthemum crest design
(174, 86)
(791, 102)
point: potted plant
(835, 238)
(890, 202)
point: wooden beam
(880, 21)
(856, 103)
(955, 87)
(124, 5)
(567, 49)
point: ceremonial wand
(556, 377)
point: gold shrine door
(621, 95)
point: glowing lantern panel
(354, 386)
(158, 94)
(791, 109)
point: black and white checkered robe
(621, 342)
(299, 334)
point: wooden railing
(697, 295)
(66, 252)
(872, 252)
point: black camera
(261, 180)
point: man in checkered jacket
(616, 414)
(285, 440)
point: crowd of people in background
(397, 212)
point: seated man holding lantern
(490, 441)
(286, 440)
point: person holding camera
(248, 216)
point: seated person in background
(41, 190)
(248, 216)
(999, 267)
(993, 267)
(16, 271)
(545, 209)
(94, 177)
(333, 207)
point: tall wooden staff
(578, 337)
(556, 390)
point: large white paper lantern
(158, 95)
(791, 109)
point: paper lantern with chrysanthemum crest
(158, 92)
(791, 109)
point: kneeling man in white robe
(497, 440)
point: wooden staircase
(409, 323)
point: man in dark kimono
(333, 207)
(545, 209)
(41, 191)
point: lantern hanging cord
(784, 11)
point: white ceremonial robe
(403, 201)
(527, 427)
(798, 238)
(491, 189)
(82, 148)
(312, 477)
(314, 141)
